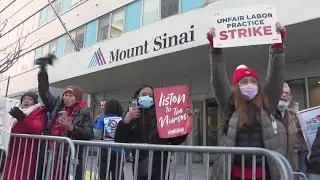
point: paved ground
(198, 173)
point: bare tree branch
(10, 55)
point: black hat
(31, 94)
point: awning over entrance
(181, 67)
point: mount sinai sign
(159, 43)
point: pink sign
(173, 111)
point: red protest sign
(172, 109)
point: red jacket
(23, 160)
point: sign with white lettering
(173, 111)
(310, 122)
(246, 26)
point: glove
(282, 30)
(210, 39)
(44, 61)
(17, 113)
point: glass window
(43, 16)
(133, 15)
(150, 11)
(45, 49)
(35, 21)
(117, 23)
(57, 6)
(91, 33)
(66, 4)
(169, 8)
(79, 39)
(103, 28)
(38, 53)
(69, 44)
(74, 2)
(314, 91)
(51, 15)
(53, 47)
(187, 5)
(298, 92)
(61, 45)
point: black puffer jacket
(144, 130)
(82, 121)
(314, 163)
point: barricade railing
(38, 157)
(102, 160)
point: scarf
(58, 130)
(27, 111)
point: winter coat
(296, 142)
(144, 130)
(22, 162)
(314, 159)
(273, 89)
(83, 125)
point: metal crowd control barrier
(38, 157)
(102, 160)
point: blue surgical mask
(145, 102)
(282, 105)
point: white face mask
(249, 91)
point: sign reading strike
(246, 26)
(310, 122)
(172, 109)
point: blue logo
(97, 59)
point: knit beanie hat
(76, 91)
(32, 94)
(241, 72)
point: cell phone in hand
(62, 115)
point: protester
(31, 118)
(288, 117)
(105, 129)
(140, 126)
(77, 124)
(247, 108)
(314, 159)
(102, 103)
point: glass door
(197, 133)
(212, 125)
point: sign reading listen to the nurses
(246, 26)
(172, 109)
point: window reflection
(103, 30)
(117, 24)
(298, 92)
(150, 11)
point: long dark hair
(113, 106)
(137, 92)
(260, 101)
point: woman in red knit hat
(70, 118)
(247, 108)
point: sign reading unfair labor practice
(246, 26)
(172, 109)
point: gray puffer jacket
(273, 89)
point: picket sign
(173, 111)
(6, 120)
(246, 26)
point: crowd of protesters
(255, 116)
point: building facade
(126, 43)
